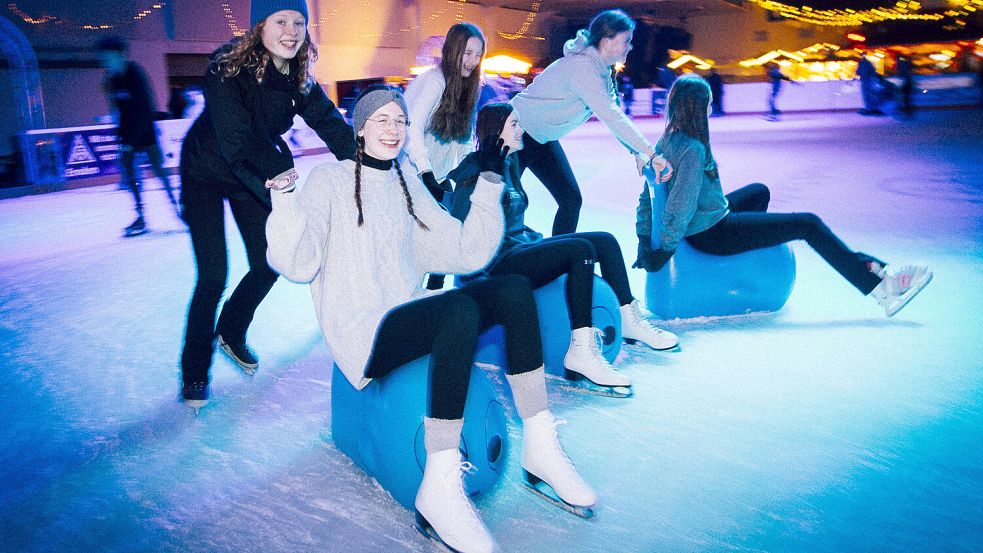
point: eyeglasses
(387, 123)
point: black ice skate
(136, 228)
(195, 395)
(241, 354)
(537, 486)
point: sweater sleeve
(453, 247)
(593, 91)
(253, 156)
(297, 229)
(321, 115)
(422, 97)
(684, 194)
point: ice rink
(823, 427)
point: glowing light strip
(902, 10)
(521, 33)
(44, 19)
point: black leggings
(204, 211)
(748, 227)
(447, 325)
(573, 255)
(550, 165)
(129, 172)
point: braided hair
(402, 182)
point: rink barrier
(697, 284)
(381, 429)
(554, 326)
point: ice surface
(824, 426)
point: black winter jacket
(235, 143)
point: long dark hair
(360, 152)
(491, 121)
(452, 119)
(248, 52)
(607, 24)
(686, 112)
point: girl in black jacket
(253, 88)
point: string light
(230, 20)
(45, 19)
(521, 33)
(904, 10)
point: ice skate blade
(533, 483)
(249, 369)
(576, 382)
(132, 233)
(909, 295)
(674, 348)
(195, 405)
(425, 528)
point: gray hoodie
(568, 92)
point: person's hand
(660, 165)
(663, 169)
(649, 259)
(284, 182)
(436, 189)
(491, 156)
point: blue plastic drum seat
(695, 284)
(381, 429)
(554, 326)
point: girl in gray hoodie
(564, 96)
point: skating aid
(539, 487)
(576, 382)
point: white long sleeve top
(426, 151)
(357, 274)
(568, 92)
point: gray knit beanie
(261, 9)
(372, 99)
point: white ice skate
(443, 511)
(548, 471)
(899, 288)
(587, 369)
(635, 328)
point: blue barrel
(381, 429)
(695, 284)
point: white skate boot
(585, 361)
(899, 288)
(443, 511)
(544, 464)
(635, 328)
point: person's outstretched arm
(299, 224)
(321, 115)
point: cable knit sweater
(358, 274)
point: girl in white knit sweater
(364, 236)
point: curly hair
(248, 52)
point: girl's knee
(462, 313)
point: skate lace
(556, 439)
(903, 278)
(596, 349)
(455, 481)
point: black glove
(435, 188)
(491, 156)
(649, 259)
